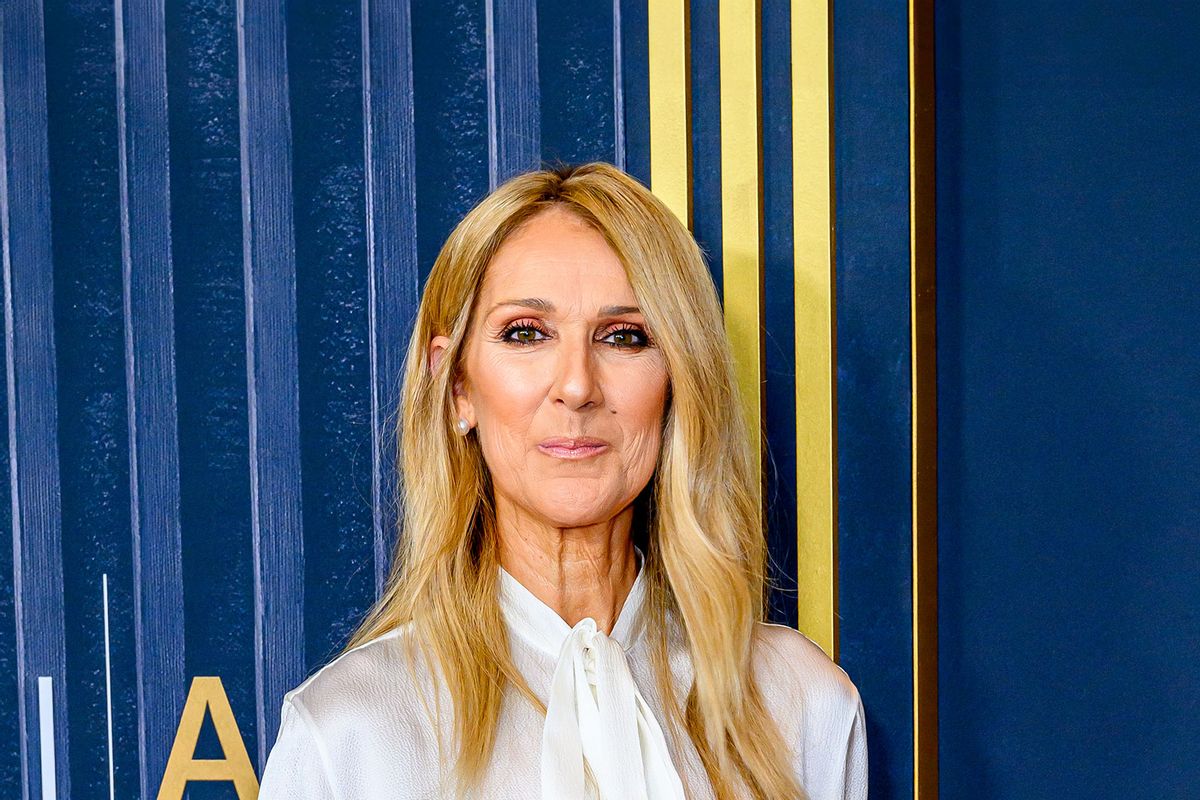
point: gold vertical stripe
(813, 232)
(741, 205)
(922, 222)
(670, 108)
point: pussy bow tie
(597, 715)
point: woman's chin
(561, 517)
(577, 509)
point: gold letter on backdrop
(207, 694)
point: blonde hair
(697, 521)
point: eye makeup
(530, 325)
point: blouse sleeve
(854, 775)
(297, 768)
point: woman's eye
(629, 337)
(623, 338)
(524, 334)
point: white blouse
(360, 727)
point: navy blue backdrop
(217, 216)
(1068, 399)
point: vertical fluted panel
(93, 419)
(704, 115)
(390, 155)
(450, 102)
(271, 359)
(576, 63)
(633, 87)
(618, 87)
(333, 334)
(669, 102)
(32, 390)
(514, 107)
(210, 354)
(10, 747)
(872, 288)
(141, 73)
(779, 348)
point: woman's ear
(437, 349)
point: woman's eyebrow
(536, 303)
(545, 306)
(616, 311)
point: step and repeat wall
(217, 219)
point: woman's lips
(582, 447)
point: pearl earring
(463, 426)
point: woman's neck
(577, 572)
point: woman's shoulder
(818, 710)
(386, 671)
(359, 723)
(796, 675)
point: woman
(575, 607)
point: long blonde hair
(697, 521)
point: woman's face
(560, 378)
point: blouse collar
(541, 626)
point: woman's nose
(576, 381)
